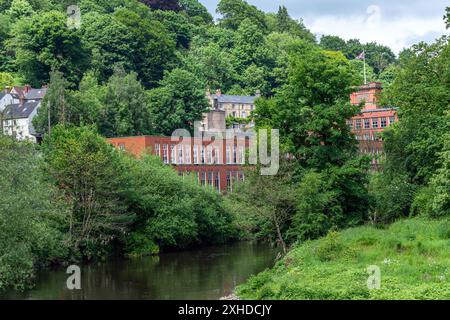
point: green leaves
(33, 216)
(178, 103)
(44, 42)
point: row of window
(368, 137)
(372, 123)
(242, 106)
(181, 154)
(212, 179)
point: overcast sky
(397, 24)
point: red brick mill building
(217, 163)
(372, 121)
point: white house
(5, 100)
(18, 120)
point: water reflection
(207, 273)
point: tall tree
(234, 12)
(196, 11)
(178, 102)
(126, 108)
(55, 107)
(420, 91)
(87, 170)
(283, 19)
(312, 108)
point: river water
(206, 273)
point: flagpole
(365, 74)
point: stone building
(237, 109)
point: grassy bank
(413, 256)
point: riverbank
(412, 255)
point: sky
(397, 24)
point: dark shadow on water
(205, 273)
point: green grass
(413, 256)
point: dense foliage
(33, 216)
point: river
(203, 274)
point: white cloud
(397, 33)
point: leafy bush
(171, 211)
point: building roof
(225, 98)
(2, 94)
(20, 111)
(36, 94)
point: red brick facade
(215, 163)
(372, 120)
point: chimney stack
(218, 92)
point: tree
(281, 22)
(213, 65)
(268, 202)
(171, 212)
(19, 9)
(283, 19)
(172, 5)
(110, 43)
(333, 43)
(88, 171)
(155, 51)
(6, 80)
(197, 12)
(420, 91)
(249, 46)
(126, 109)
(88, 102)
(234, 12)
(178, 102)
(55, 99)
(131, 41)
(33, 216)
(178, 26)
(440, 183)
(312, 108)
(317, 208)
(44, 43)
(447, 17)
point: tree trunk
(280, 236)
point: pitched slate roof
(225, 98)
(2, 94)
(36, 94)
(20, 111)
